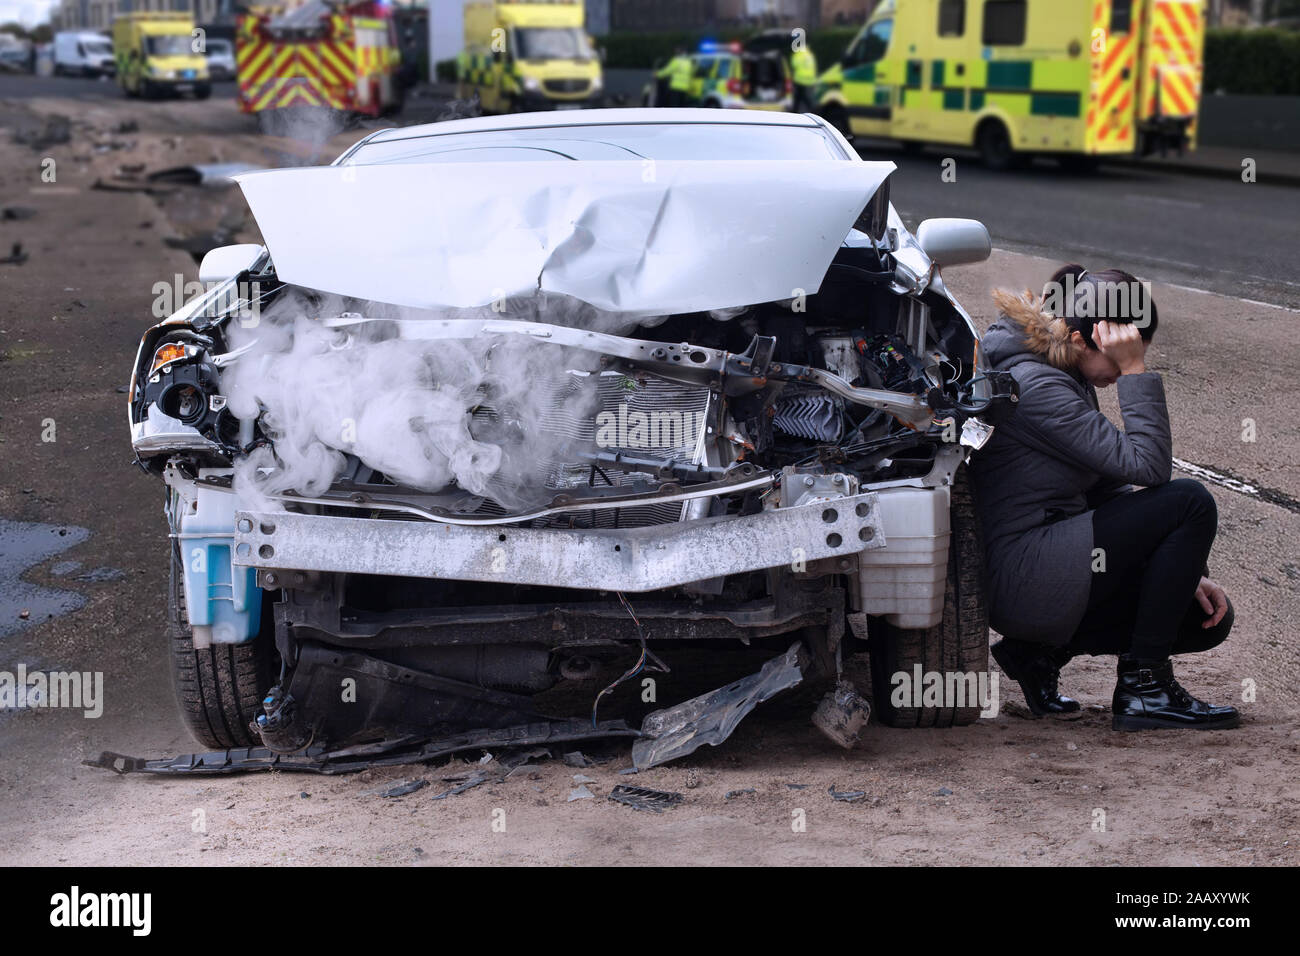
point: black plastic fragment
(643, 798)
(402, 789)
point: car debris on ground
(846, 796)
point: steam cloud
(480, 413)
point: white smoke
(407, 407)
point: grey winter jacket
(1041, 472)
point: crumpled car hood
(652, 237)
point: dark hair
(1084, 298)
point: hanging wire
(636, 668)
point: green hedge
(639, 51)
(1252, 61)
(1236, 61)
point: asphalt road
(1218, 235)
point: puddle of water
(99, 575)
(24, 545)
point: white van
(221, 59)
(81, 53)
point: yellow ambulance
(528, 55)
(1078, 79)
(159, 53)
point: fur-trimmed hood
(1024, 331)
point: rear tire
(994, 145)
(838, 117)
(958, 643)
(1080, 164)
(219, 689)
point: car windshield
(171, 44)
(218, 48)
(553, 44)
(731, 141)
(98, 47)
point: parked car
(16, 57)
(82, 53)
(532, 404)
(221, 59)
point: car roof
(604, 117)
(689, 133)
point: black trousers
(1155, 544)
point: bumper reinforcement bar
(631, 560)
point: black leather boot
(1148, 698)
(1038, 670)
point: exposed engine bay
(854, 376)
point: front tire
(958, 643)
(219, 689)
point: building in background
(604, 16)
(637, 15)
(845, 13)
(99, 14)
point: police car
(728, 76)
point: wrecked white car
(513, 413)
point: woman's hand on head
(1122, 344)
(1213, 601)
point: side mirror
(226, 262)
(954, 242)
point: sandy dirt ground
(1009, 790)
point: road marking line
(1271, 305)
(1186, 203)
(1239, 485)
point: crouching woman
(1078, 561)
